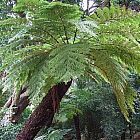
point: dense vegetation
(69, 73)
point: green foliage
(53, 134)
(9, 132)
(118, 37)
(67, 111)
(3, 97)
(35, 54)
(3, 9)
(99, 101)
(97, 107)
(53, 45)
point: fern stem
(65, 31)
(75, 34)
(52, 37)
(62, 39)
(45, 31)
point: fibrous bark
(77, 127)
(18, 110)
(16, 107)
(43, 115)
(93, 126)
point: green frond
(118, 49)
(112, 14)
(53, 45)
(28, 54)
(120, 37)
(130, 97)
(113, 73)
(86, 28)
(58, 28)
(9, 28)
(68, 61)
(28, 5)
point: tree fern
(27, 54)
(53, 45)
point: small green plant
(9, 132)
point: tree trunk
(44, 113)
(16, 107)
(123, 136)
(77, 127)
(93, 126)
(18, 110)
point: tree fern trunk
(123, 136)
(77, 127)
(16, 108)
(44, 113)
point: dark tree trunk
(77, 127)
(44, 113)
(93, 126)
(123, 136)
(18, 110)
(16, 106)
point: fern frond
(111, 14)
(28, 56)
(68, 61)
(117, 43)
(130, 97)
(113, 73)
(48, 47)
